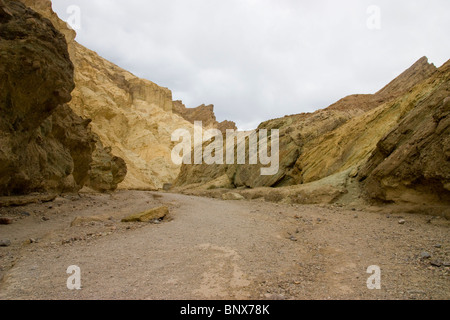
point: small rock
(232, 196)
(45, 219)
(5, 221)
(438, 246)
(436, 263)
(33, 240)
(401, 221)
(446, 264)
(60, 200)
(5, 243)
(355, 216)
(149, 215)
(292, 238)
(24, 213)
(425, 255)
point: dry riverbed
(215, 249)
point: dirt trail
(213, 249)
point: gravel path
(214, 249)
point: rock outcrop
(361, 137)
(45, 146)
(316, 145)
(36, 77)
(131, 116)
(202, 113)
(412, 162)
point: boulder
(149, 215)
(232, 196)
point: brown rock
(44, 145)
(232, 196)
(150, 215)
(5, 221)
(16, 201)
(31, 157)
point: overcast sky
(261, 59)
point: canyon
(85, 144)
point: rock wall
(320, 144)
(45, 146)
(36, 78)
(412, 162)
(392, 146)
(131, 116)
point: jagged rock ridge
(203, 113)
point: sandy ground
(214, 249)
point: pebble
(401, 221)
(425, 255)
(438, 246)
(5, 243)
(292, 238)
(436, 263)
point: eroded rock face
(412, 163)
(131, 116)
(317, 145)
(106, 170)
(44, 145)
(36, 77)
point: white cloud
(260, 59)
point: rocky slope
(321, 153)
(44, 147)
